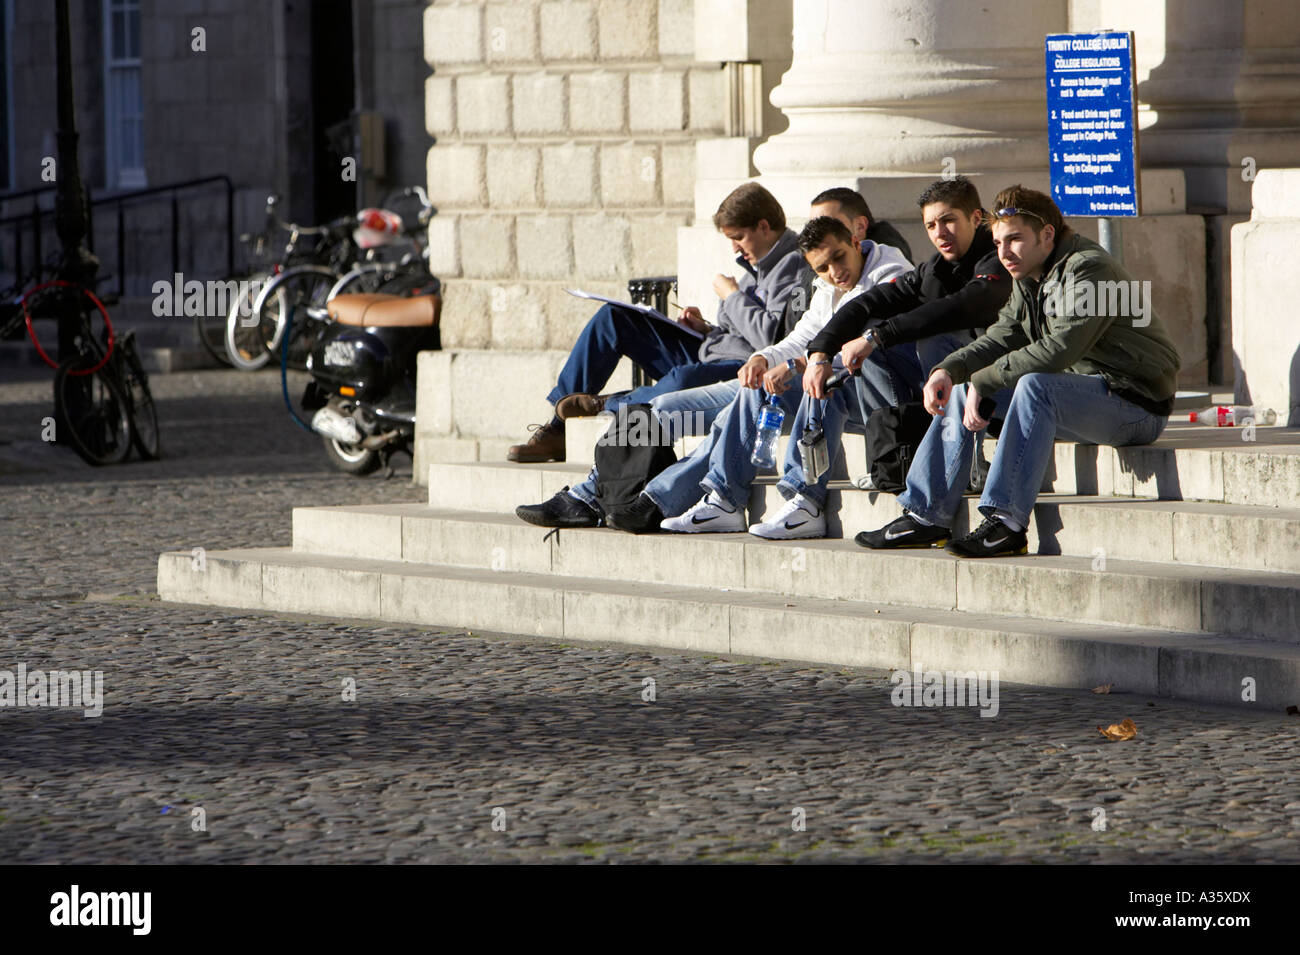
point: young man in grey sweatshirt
(692, 352)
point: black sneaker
(906, 531)
(642, 516)
(562, 510)
(990, 539)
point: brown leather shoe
(580, 406)
(546, 444)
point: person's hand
(724, 285)
(777, 379)
(751, 372)
(856, 352)
(691, 317)
(937, 391)
(815, 376)
(971, 416)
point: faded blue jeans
(849, 406)
(1041, 409)
(722, 462)
(669, 353)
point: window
(123, 128)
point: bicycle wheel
(362, 279)
(245, 339)
(91, 413)
(145, 436)
(211, 333)
(292, 296)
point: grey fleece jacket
(749, 319)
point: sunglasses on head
(1013, 211)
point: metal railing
(35, 220)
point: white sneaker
(799, 518)
(863, 482)
(710, 516)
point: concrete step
(1184, 665)
(1256, 604)
(1259, 466)
(1216, 535)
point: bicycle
(297, 297)
(102, 400)
(249, 344)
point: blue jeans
(721, 464)
(889, 381)
(697, 376)
(658, 347)
(681, 413)
(930, 351)
(1042, 408)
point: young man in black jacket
(938, 306)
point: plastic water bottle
(770, 419)
(1226, 416)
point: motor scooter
(362, 369)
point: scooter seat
(386, 311)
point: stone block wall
(564, 155)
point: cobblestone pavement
(243, 715)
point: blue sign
(1092, 123)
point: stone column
(888, 96)
(1265, 288)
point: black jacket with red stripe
(938, 296)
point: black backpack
(629, 454)
(893, 435)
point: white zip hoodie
(883, 263)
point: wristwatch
(873, 336)
(792, 364)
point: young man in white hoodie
(721, 465)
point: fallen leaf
(1117, 732)
(1104, 688)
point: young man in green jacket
(1076, 353)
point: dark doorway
(6, 134)
(332, 96)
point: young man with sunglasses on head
(1079, 366)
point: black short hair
(818, 230)
(850, 201)
(958, 192)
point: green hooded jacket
(1087, 316)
